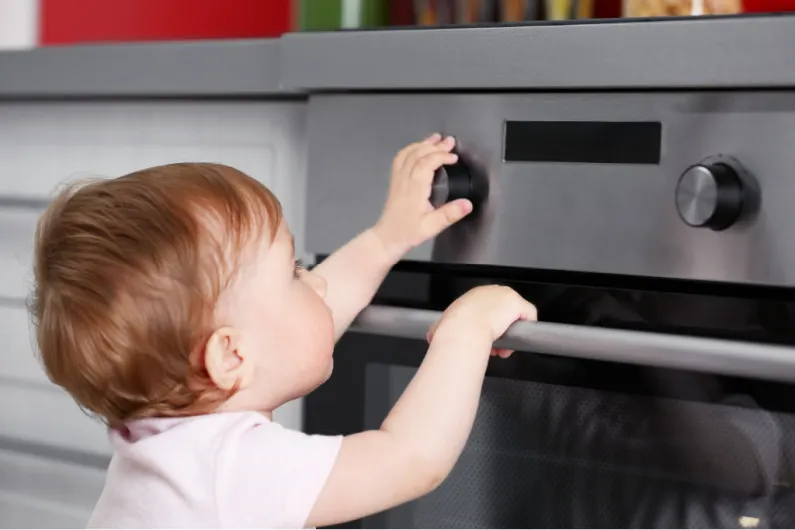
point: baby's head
(174, 291)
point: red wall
(76, 21)
(768, 6)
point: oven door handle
(717, 356)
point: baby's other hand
(490, 310)
(408, 218)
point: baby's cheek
(330, 370)
(322, 333)
(328, 326)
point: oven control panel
(689, 185)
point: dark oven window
(563, 442)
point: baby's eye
(299, 268)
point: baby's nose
(317, 282)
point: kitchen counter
(179, 69)
(750, 51)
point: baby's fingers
(400, 159)
(424, 168)
(503, 353)
(434, 222)
(428, 157)
(432, 331)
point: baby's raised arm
(354, 272)
(425, 432)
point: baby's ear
(226, 361)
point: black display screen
(588, 142)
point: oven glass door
(562, 442)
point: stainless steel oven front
(653, 232)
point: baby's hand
(489, 309)
(408, 218)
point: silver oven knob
(459, 181)
(710, 195)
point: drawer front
(17, 230)
(39, 492)
(45, 144)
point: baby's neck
(232, 406)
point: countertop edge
(715, 53)
(232, 68)
(703, 52)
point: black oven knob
(710, 195)
(459, 181)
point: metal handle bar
(718, 356)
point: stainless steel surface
(202, 68)
(715, 195)
(604, 218)
(440, 188)
(685, 53)
(654, 349)
(697, 195)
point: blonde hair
(127, 275)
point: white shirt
(219, 470)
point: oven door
(580, 439)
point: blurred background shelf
(32, 23)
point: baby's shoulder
(239, 469)
(269, 475)
(234, 434)
(169, 442)
(249, 433)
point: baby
(169, 303)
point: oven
(653, 230)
